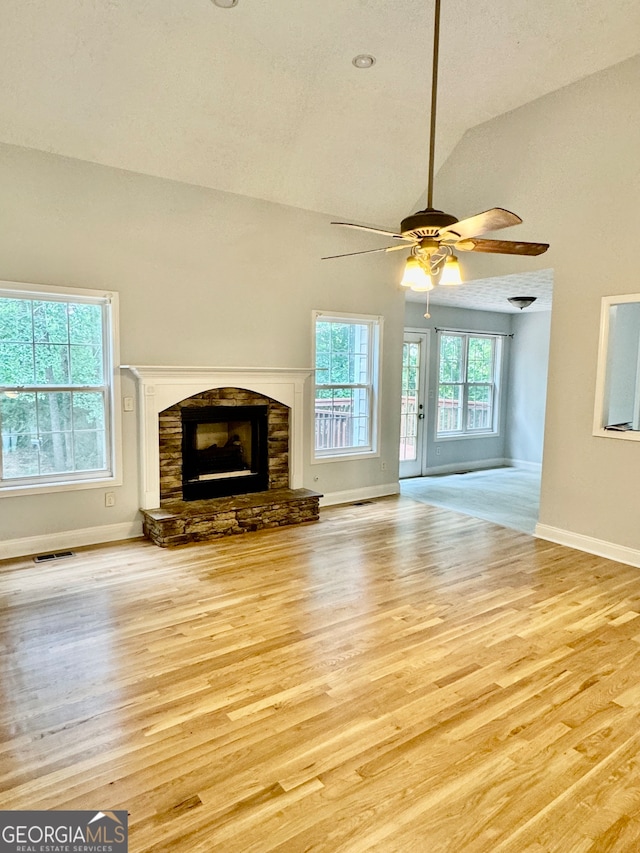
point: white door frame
(416, 467)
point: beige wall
(205, 278)
(569, 165)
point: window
(468, 372)
(57, 350)
(347, 351)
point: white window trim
(498, 364)
(114, 425)
(375, 322)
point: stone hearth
(179, 522)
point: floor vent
(362, 503)
(46, 558)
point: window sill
(12, 491)
(627, 435)
(345, 457)
(467, 435)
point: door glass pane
(409, 402)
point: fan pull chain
(427, 315)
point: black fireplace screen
(224, 451)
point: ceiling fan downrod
(434, 90)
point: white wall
(622, 363)
(205, 279)
(528, 386)
(568, 164)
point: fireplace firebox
(224, 451)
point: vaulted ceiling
(263, 100)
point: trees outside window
(346, 384)
(56, 368)
(468, 373)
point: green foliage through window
(54, 388)
(467, 387)
(344, 361)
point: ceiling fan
(433, 235)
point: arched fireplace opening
(224, 451)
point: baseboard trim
(366, 493)
(599, 547)
(66, 539)
(463, 467)
(534, 467)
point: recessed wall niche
(617, 404)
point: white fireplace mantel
(160, 387)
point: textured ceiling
(262, 99)
(492, 294)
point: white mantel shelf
(161, 386)
(163, 372)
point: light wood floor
(394, 678)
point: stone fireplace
(224, 441)
(221, 451)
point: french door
(413, 403)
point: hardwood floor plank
(393, 678)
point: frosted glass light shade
(415, 276)
(451, 272)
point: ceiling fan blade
(502, 247)
(373, 230)
(489, 220)
(366, 252)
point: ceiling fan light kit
(431, 234)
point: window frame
(465, 384)
(372, 386)
(111, 474)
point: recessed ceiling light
(363, 60)
(225, 4)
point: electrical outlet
(109, 498)
(437, 451)
(383, 466)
